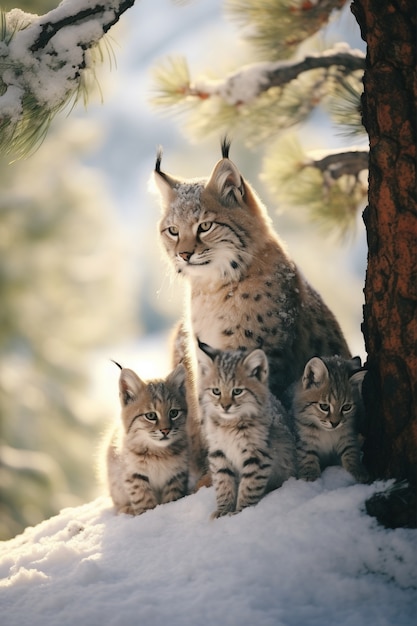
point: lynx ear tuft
(226, 182)
(165, 184)
(225, 144)
(315, 373)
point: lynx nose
(165, 431)
(185, 255)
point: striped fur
(324, 410)
(250, 447)
(147, 457)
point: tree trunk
(390, 311)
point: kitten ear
(130, 386)
(176, 378)
(226, 182)
(315, 373)
(205, 356)
(256, 364)
(164, 183)
(354, 365)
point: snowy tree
(260, 100)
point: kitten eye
(204, 227)
(174, 414)
(174, 231)
(216, 391)
(346, 408)
(324, 407)
(237, 391)
(152, 416)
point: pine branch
(330, 188)
(107, 12)
(44, 66)
(244, 86)
(277, 27)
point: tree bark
(390, 310)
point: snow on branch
(43, 65)
(250, 81)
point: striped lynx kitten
(324, 412)
(251, 449)
(147, 458)
(245, 292)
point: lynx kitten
(324, 412)
(147, 458)
(251, 450)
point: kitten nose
(185, 255)
(165, 431)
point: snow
(307, 554)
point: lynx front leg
(308, 464)
(175, 488)
(224, 481)
(351, 461)
(253, 480)
(141, 495)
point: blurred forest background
(82, 277)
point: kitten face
(233, 383)
(153, 413)
(325, 398)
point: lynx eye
(324, 407)
(346, 408)
(237, 391)
(173, 230)
(216, 391)
(152, 416)
(174, 414)
(204, 227)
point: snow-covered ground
(306, 555)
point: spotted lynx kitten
(251, 450)
(244, 290)
(324, 412)
(147, 458)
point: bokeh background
(82, 277)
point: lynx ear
(226, 182)
(354, 365)
(206, 356)
(176, 378)
(315, 373)
(165, 184)
(256, 364)
(130, 385)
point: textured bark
(390, 311)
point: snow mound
(307, 554)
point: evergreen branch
(105, 12)
(244, 86)
(331, 188)
(44, 65)
(339, 164)
(277, 27)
